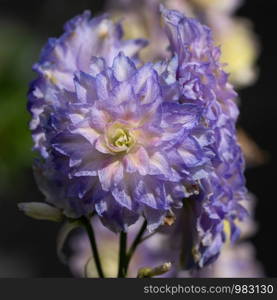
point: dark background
(27, 247)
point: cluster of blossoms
(124, 139)
(234, 34)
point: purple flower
(235, 262)
(109, 141)
(202, 79)
(116, 147)
(84, 38)
(126, 140)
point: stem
(122, 270)
(89, 229)
(187, 236)
(135, 244)
(148, 236)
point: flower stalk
(94, 248)
(135, 244)
(122, 270)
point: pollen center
(119, 138)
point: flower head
(124, 139)
(118, 148)
(234, 35)
(108, 139)
(201, 78)
(84, 38)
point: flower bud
(41, 211)
(151, 272)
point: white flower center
(119, 138)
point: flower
(222, 6)
(238, 261)
(41, 211)
(240, 47)
(83, 39)
(201, 78)
(116, 147)
(108, 140)
(124, 139)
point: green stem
(89, 229)
(122, 255)
(135, 244)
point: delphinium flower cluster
(122, 140)
(234, 34)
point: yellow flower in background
(225, 6)
(239, 50)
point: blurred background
(27, 247)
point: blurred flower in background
(235, 35)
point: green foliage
(17, 51)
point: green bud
(151, 272)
